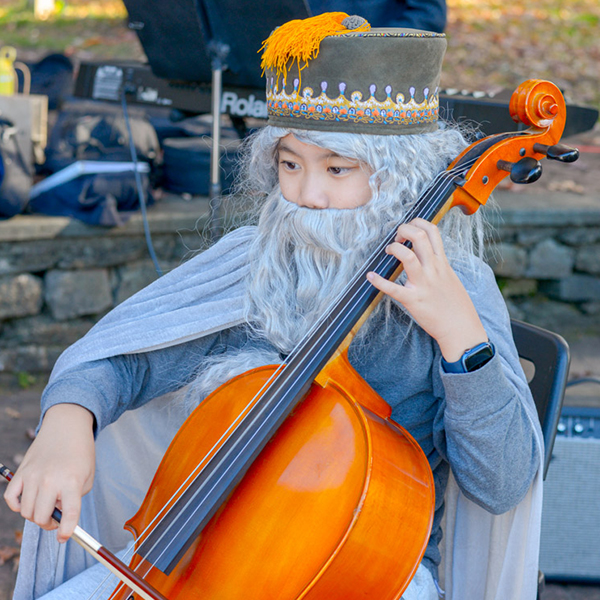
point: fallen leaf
(11, 412)
(19, 536)
(92, 41)
(8, 553)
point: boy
(334, 171)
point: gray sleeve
(109, 387)
(489, 438)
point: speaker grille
(570, 544)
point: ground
(19, 414)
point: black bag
(92, 131)
(15, 172)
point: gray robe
(485, 556)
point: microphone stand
(218, 53)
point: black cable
(138, 185)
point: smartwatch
(473, 359)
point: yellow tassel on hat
(299, 40)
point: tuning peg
(558, 152)
(527, 170)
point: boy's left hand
(433, 294)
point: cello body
(340, 487)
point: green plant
(25, 380)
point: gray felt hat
(357, 80)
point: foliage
(492, 44)
(86, 28)
(495, 44)
(25, 380)
(21, 11)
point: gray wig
(301, 257)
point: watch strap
(472, 359)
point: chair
(549, 354)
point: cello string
(431, 191)
(366, 288)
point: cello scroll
(541, 107)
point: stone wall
(547, 260)
(58, 276)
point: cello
(289, 497)
(213, 530)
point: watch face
(478, 357)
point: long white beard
(302, 257)
(300, 260)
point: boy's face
(314, 177)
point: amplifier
(570, 544)
(104, 80)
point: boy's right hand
(57, 471)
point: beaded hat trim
(394, 110)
